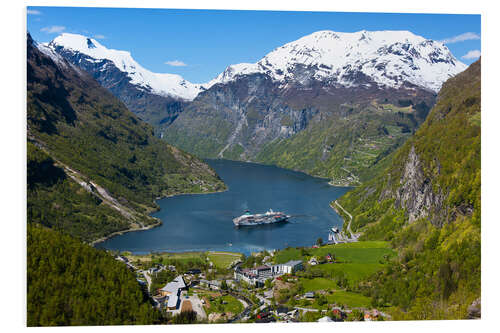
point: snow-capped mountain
(389, 58)
(163, 84)
(337, 87)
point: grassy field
(358, 252)
(317, 284)
(349, 298)
(223, 259)
(217, 304)
(338, 297)
(353, 261)
(353, 272)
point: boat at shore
(269, 217)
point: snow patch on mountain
(390, 58)
(159, 83)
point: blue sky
(199, 44)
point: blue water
(201, 222)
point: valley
(300, 107)
(370, 141)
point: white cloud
(33, 12)
(55, 29)
(99, 37)
(175, 63)
(473, 54)
(461, 38)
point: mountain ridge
(336, 56)
(427, 203)
(106, 157)
(249, 111)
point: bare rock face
(474, 310)
(416, 195)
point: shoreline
(187, 252)
(279, 167)
(121, 232)
(149, 212)
(159, 223)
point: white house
(313, 261)
(172, 290)
(289, 267)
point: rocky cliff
(427, 202)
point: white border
(13, 84)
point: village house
(194, 271)
(245, 274)
(172, 291)
(214, 284)
(330, 257)
(258, 275)
(121, 258)
(371, 315)
(291, 266)
(263, 271)
(309, 294)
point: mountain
(156, 98)
(330, 104)
(380, 58)
(93, 167)
(427, 202)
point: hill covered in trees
(92, 137)
(427, 203)
(93, 168)
(71, 283)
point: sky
(200, 44)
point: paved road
(306, 309)
(197, 306)
(354, 237)
(148, 279)
(263, 300)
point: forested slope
(428, 204)
(71, 283)
(93, 168)
(85, 129)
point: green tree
(223, 285)
(185, 317)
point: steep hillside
(101, 146)
(428, 204)
(70, 283)
(292, 107)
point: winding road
(353, 236)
